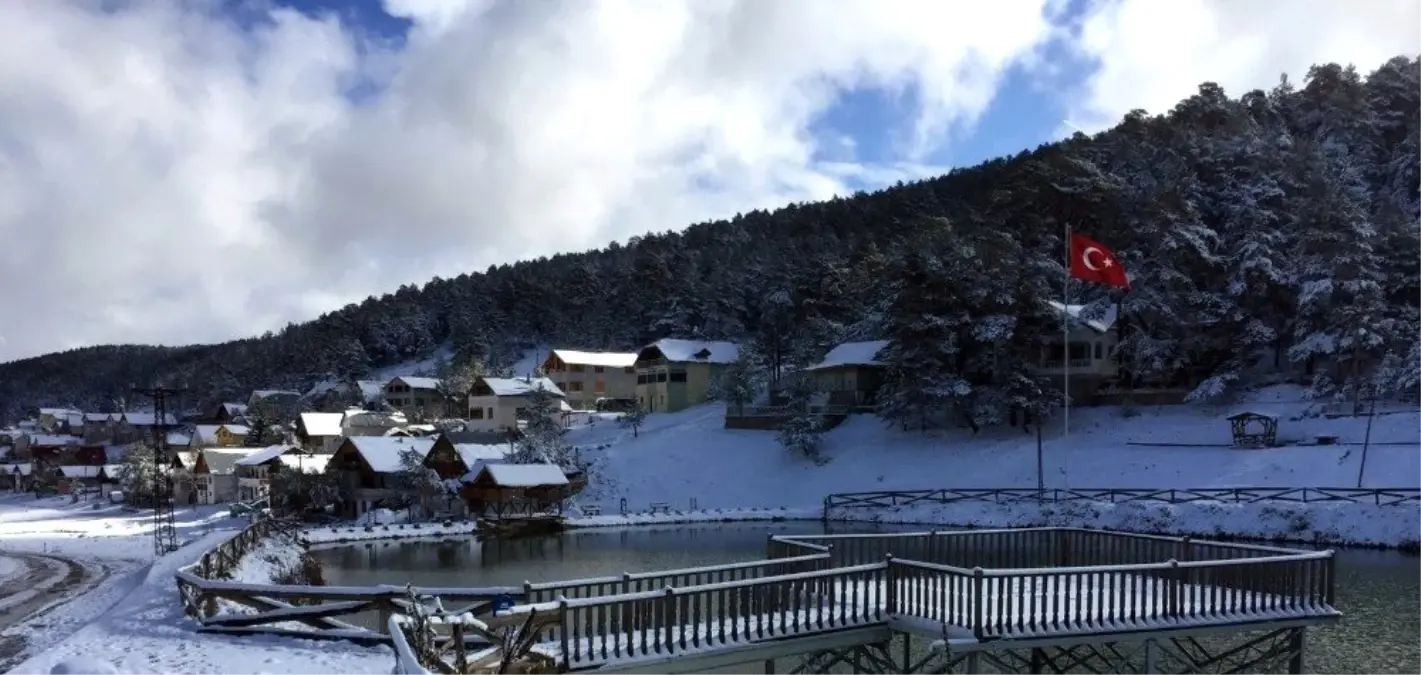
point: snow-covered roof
(696, 351)
(525, 475)
(58, 412)
(321, 424)
(472, 453)
(205, 432)
(223, 461)
(186, 459)
(80, 471)
(520, 386)
(146, 419)
(1251, 413)
(237, 429)
(604, 359)
(371, 390)
(113, 471)
(98, 417)
(306, 463)
(382, 453)
(270, 393)
(1101, 325)
(235, 409)
(45, 440)
(22, 468)
(264, 455)
(852, 354)
(417, 382)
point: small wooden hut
(1254, 429)
(503, 490)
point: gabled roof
(269, 393)
(604, 359)
(237, 429)
(47, 440)
(321, 424)
(525, 475)
(1101, 325)
(695, 351)
(80, 471)
(473, 453)
(305, 463)
(223, 461)
(235, 409)
(417, 382)
(520, 386)
(852, 354)
(98, 417)
(265, 455)
(382, 453)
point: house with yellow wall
(586, 377)
(673, 374)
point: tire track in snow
(50, 580)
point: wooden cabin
(502, 490)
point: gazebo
(1254, 429)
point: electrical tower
(165, 534)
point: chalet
(218, 436)
(336, 395)
(415, 396)
(586, 377)
(451, 459)
(16, 476)
(497, 403)
(368, 469)
(369, 423)
(75, 478)
(319, 432)
(515, 489)
(675, 374)
(51, 449)
(254, 471)
(55, 420)
(850, 373)
(1087, 349)
(132, 426)
(280, 404)
(99, 427)
(214, 474)
(180, 476)
(224, 413)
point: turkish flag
(1091, 261)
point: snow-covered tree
(800, 432)
(740, 383)
(140, 474)
(414, 481)
(455, 381)
(634, 419)
(540, 438)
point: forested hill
(1286, 218)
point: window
(629, 370)
(490, 412)
(641, 379)
(574, 386)
(577, 368)
(661, 376)
(1098, 351)
(599, 386)
(1079, 350)
(476, 413)
(678, 377)
(598, 369)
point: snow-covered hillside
(683, 456)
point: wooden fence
(1240, 495)
(309, 612)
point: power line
(165, 534)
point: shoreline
(1388, 527)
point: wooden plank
(359, 636)
(323, 611)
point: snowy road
(31, 583)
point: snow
(521, 386)
(80, 471)
(526, 475)
(265, 455)
(414, 382)
(147, 419)
(474, 453)
(852, 354)
(1100, 325)
(604, 359)
(306, 463)
(382, 453)
(322, 424)
(95, 529)
(50, 440)
(343, 534)
(682, 351)
(688, 456)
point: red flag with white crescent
(1091, 261)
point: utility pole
(165, 534)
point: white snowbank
(344, 533)
(712, 516)
(1317, 522)
(97, 529)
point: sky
(201, 170)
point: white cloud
(1153, 54)
(166, 177)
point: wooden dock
(1053, 592)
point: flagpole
(1066, 359)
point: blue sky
(1026, 112)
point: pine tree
(259, 431)
(800, 432)
(541, 437)
(923, 346)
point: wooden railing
(220, 561)
(596, 587)
(1240, 495)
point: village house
(76, 478)
(1088, 350)
(850, 374)
(337, 395)
(134, 426)
(319, 432)
(99, 427)
(214, 474)
(370, 422)
(218, 436)
(55, 420)
(454, 460)
(369, 470)
(497, 403)
(278, 405)
(676, 374)
(415, 396)
(500, 490)
(50, 449)
(180, 476)
(254, 471)
(224, 413)
(16, 477)
(586, 377)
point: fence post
(384, 609)
(564, 624)
(890, 580)
(977, 614)
(1183, 549)
(668, 615)
(1176, 591)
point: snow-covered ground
(132, 618)
(689, 461)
